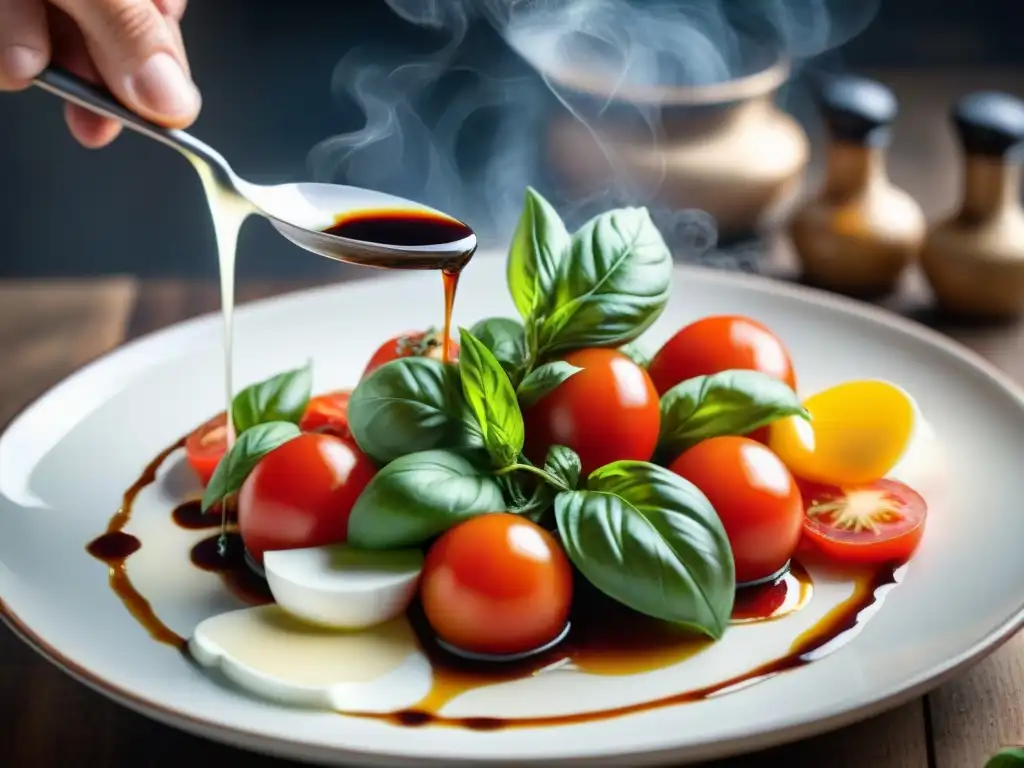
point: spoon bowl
(301, 212)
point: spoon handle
(72, 88)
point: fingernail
(23, 63)
(161, 86)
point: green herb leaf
(565, 465)
(283, 397)
(1010, 757)
(727, 403)
(651, 540)
(614, 285)
(539, 245)
(250, 447)
(543, 380)
(419, 496)
(409, 405)
(637, 355)
(531, 504)
(506, 339)
(491, 399)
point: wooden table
(47, 329)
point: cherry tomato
(606, 412)
(756, 497)
(857, 432)
(428, 343)
(873, 523)
(720, 343)
(328, 413)
(206, 445)
(497, 584)
(301, 494)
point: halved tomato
(206, 445)
(328, 413)
(873, 523)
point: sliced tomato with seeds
(873, 523)
(206, 445)
(328, 414)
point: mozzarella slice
(275, 656)
(336, 586)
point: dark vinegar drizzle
(451, 283)
(115, 546)
(228, 562)
(454, 676)
(190, 515)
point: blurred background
(460, 103)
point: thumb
(137, 55)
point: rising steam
(463, 128)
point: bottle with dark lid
(857, 235)
(974, 259)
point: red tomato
(427, 343)
(762, 435)
(497, 584)
(301, 494)
(875, 523)
(756, 497)
(206, 445)
(328, 414)
(720, 343)
(606, 412)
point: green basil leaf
(544, 380)
(637, 355)
(539, 245)
(531, 504)
(564, 464)
(651, 540)
(419, 496)
(408, 405)
(506, 339)
(492, 400)
(1011, 757)
(283, 397)
(614, 285)
(250, 447)
(728, 403)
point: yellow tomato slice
(857, 432)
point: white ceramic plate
(66, 460)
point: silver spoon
(301, 212)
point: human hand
(134, 47)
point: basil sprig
(492, 401)
(651, 540)
(506, 339)
(248, 450)
(603, 286)
(611, 288)
(544, 380)
(419, 496)
(283, 397)
(728, 403)
(409, 405)
(535, 258)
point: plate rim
(884, 700)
